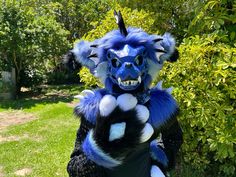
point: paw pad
(117, 131)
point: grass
(47, 141)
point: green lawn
(45, 143)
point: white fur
(100, 152)
(87, 93)
(127, 101)
(156, 172)
(117, 131)
(147, 132)
(142, 113)
(107, 105)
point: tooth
(119, 80)
(139, 79)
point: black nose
(128, 65)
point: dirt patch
(9, 118)
(18, 138)
(23, 172)
(9, 138)
(1, 171)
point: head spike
(120, 22)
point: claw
(159, 85)
(169, 90)
(142, 113)
(80, 97)
(156, 172)
(87, 92)
(147, 132)
(127, 101)
(107, 105)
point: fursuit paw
(156, 172)
(122, 123)
(158, 155)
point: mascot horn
(128, 128)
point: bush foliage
(204, 79)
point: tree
(29, 38)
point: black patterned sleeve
(79, 165)
(172, 138)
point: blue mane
(136, 37)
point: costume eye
(115, 63)
(139, 60)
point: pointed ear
(165, 48)
(84, 54)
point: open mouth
(127, 83)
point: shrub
(88, 79)
(205, 79)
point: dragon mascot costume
(127, 129)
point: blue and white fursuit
(120, 123)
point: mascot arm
(164, 150)
(79, 165)
(172, 138)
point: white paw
(107, 105)
(117, 131)
(127, 101)
(142, 113)
(156, 172)
(147, 132)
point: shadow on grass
(46, 95)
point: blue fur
(168, 44)
(158, 154)
(89, 106)
(91, 152)
(162, 107)
(115, 40)
(147, 81)
(82, 50)
(136, 37)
